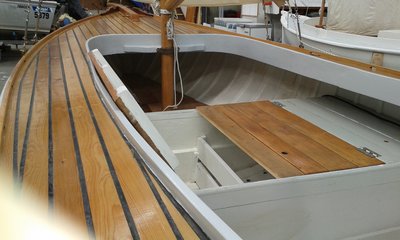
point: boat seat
(282, 143)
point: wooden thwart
(284, 144)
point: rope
(177, 68)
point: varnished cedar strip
(153, 25)
(182, 28)
(181, 222)
(188, 231)
(91, 28)
(140, 198)
(21, 114)
(85, 31)
(146, 28)
(268, 159)
(66, 187)
(117, 19)
(101, 28)
(82, 43)
(121, 20)
(108, 217)
(35, 172)
(331, 142)
(139, 26)
(8, 105)
(110, 29)
(106, 152)
(111, 23)
(299, 141)
(13, 134)
(28, 123)
(81, 172)
(296, 157)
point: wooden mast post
(321, 18)
(167, 54)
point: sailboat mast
(321, 18)
(167, 54)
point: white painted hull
(358, 203)
(360, 48)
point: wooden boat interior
(74, 108)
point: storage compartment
(207, 159)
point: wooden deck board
(67, 194)
(262, 127)
(106, 210)
(77, 160)
(34, 157)
(328, 140)
(129, 173)
(256, 149)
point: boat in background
(16, 16)
(379, 44)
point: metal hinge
(369, 152)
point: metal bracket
(368, 152)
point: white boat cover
(363, 17)
(210, 3)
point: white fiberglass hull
(360, 48)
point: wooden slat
(286, 150)
(91, 28)
(114, 28)
(328, 140)
(108, 218)
(66, 187)
(85, 31)
(132, 179)
(305, 146)
(267, 158)
(121, 20)
(117, 27)
(35, 171)
(315, 151)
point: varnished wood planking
(140, 199)
(121, 20)
(25, 98)
(108, 217)
(111, 24)
(267, 158)
(307, 147)
(121, 27)
(34, 162)
(66, 187)
(85, 31)
(184, 227)
(91, 28)
(314, 150)
(67, 192)
(333, 143)
(286, 150)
